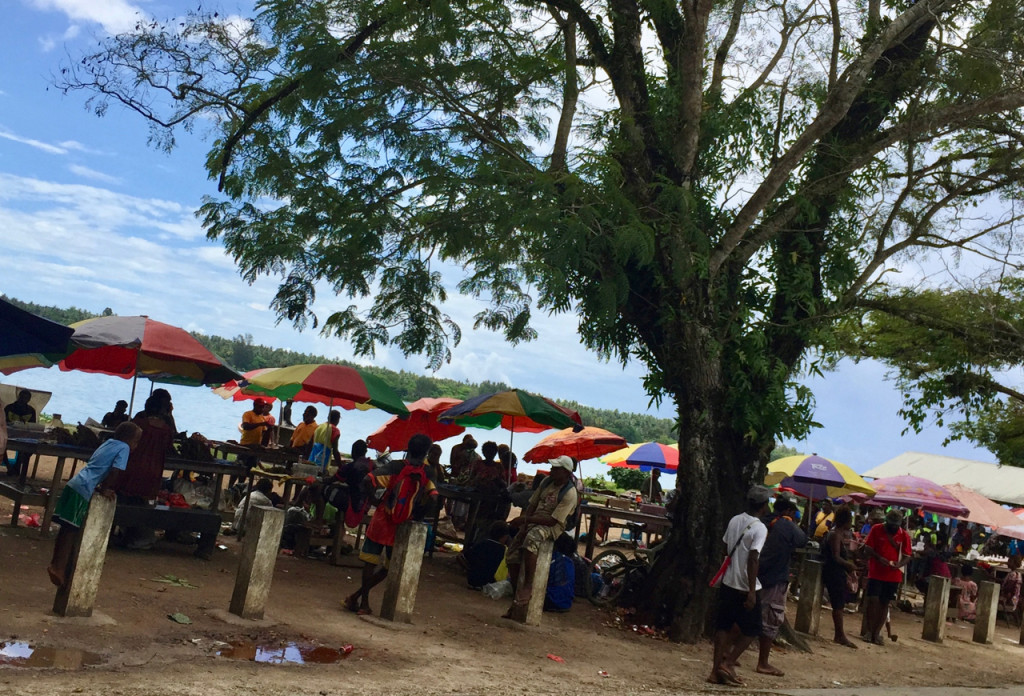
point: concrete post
(535, 609)
(403, 578)
(987, 610)
(78, 594)
(256, 565)
(935, 606)
(808, 608)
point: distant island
(244, 355)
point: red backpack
(403, 492)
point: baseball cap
(759, 495)
(562, 462)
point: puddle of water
(292, 653)
(22, 654)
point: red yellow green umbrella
(514, 410)
(336, 385)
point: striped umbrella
(335, 385)
(515, 410)
(645, 456)
(28, 340)
(816, 477)
(236, 388)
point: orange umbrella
(589, 442)
(394, 435)
(982, 511)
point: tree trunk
(716, 468)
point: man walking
(784, 537)
(888, 550)
(738, 604)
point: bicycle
(617, 572)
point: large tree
(708, 185)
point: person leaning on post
(98, 476)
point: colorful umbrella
(394, 435)
(587, 443)
(335, 385)
(28, 340)
(1015, 531)
(983, 511)
(140, 346)
(645, 456)
(913, 491)
(816, 477)
(236, 388)
(516, 410)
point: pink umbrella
(913, 491)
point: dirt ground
(456, 644)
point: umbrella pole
(131, 403)
(511, 434)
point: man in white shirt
(738, 603)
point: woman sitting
(966, 605)
(1009, 592)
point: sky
(91, 216)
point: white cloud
(87, 173)
(115, 16)
(31, 142)
(47, 43)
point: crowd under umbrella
(134, 346)
(28, 340)
(917, 492)
(395, 433)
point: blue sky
(93, 217)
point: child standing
(98, 476)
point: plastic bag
(497, 590)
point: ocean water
(81, 395)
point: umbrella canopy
(1015, 531)
(913, 491)
(140, 346)
(336, 385)
(587, 443)
(983, 511)
(236, 388)
(28, 340)
(816, 477)
(645, 456)
(394, 435)
(515, 410)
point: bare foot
(713, 678)
(55, 577)
(769, 669)
(350, 603)
(728, 678)
(845, 642)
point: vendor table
(593, 512)
(463, 494)
(206, 522)
(23, 494)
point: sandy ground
(456, 645)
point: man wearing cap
(888, 550)
(784, 537)
(738, 604)
(544, 518)
(254, 424)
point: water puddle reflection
(17, 653)
(293, 653)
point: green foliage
(950, 352)
(781, 451)
(628, 479)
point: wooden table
(206, 522)
(463, 494)
(593, 512)
(23, 494)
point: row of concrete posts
(808, 611)
(263, 529)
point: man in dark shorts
(784, 537)
(888, 550)
(738, 603)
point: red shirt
(889, 548)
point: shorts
(374, 553)
(838, 592)
(773, 609)
(732, 612)
(531, 541)
(71, 508)
(885, 591)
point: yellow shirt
(254, 436)
(824, 523)
(303, 434)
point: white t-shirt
(753, 540)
